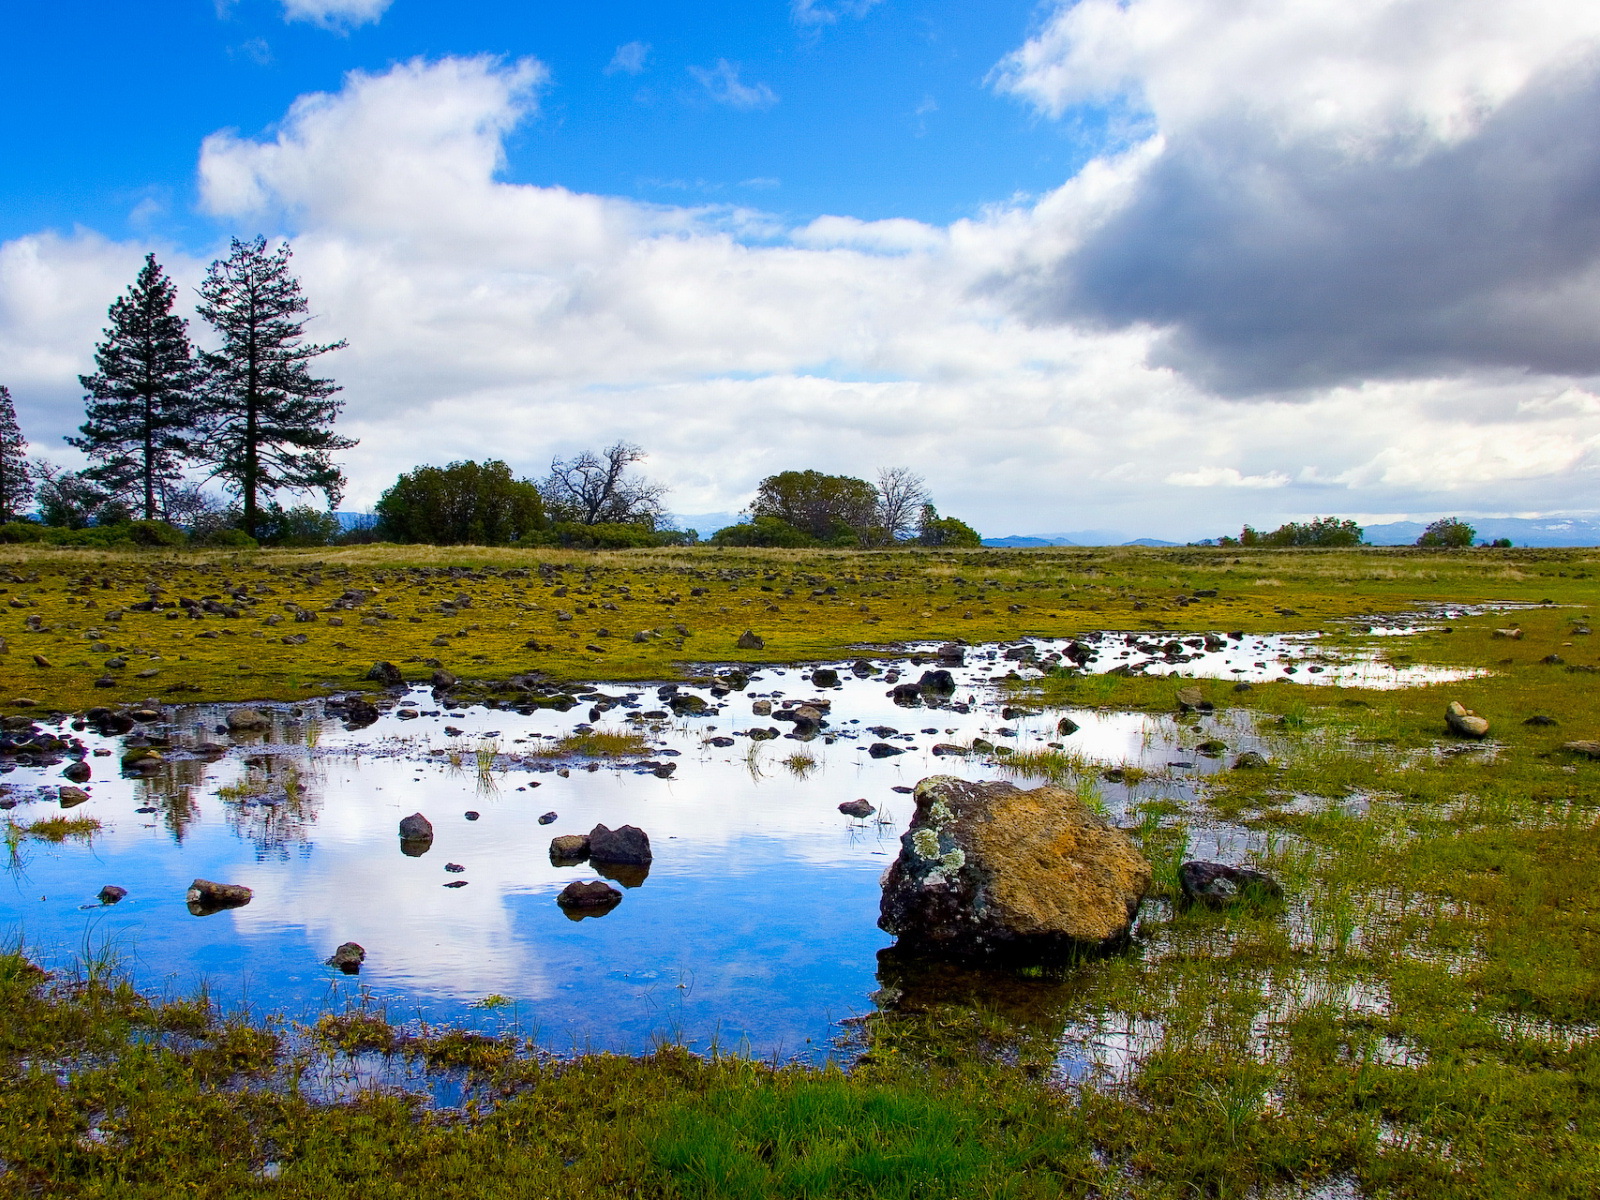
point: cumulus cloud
(629, 58)
(1335, 192)
(722, 84)
(492, 318)
(335, 14)
(821, 12)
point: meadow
(1418, 1017)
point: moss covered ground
(1417, 1018)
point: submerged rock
(348, 958)
(987, 867)
(569, 848)
(71, 797)
(111, 894)
(883, 750)
(857, 808)
(588, 898)
(548, 818)
(1217, 885)
(825, 677)
(416, 827)
(246, 719)
(1463, 722)
(205, 897)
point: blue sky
(877, 113)
(1159, 266)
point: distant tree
(1449, 533)
(901, 495)
(188, 506)
(465, 503)
(1324, 532)
(828, 508)
(598, 489)
(267, 420)
(141, 404)
(301, 525)
(934, 530)
(762, 531)
(71, 500)
(16, 472)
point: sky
(1157, 266)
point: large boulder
(988, 867)
(627, 844)
(1463, 722)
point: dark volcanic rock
(385, 673)
(627, 844)
(111, 894)
(205, 897)
(1217, 885)
(883, 750)
(591, 898)
(348, 958)
(857, 808)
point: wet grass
(53, 829)
(594, 743)
(1419, 1018)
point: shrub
(13, 532)
(228, 539)
(762, 531)
(154, 533)
(1449, 533)
(465, 503)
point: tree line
(1448, 533)
(255, 416)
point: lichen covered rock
(988, 867)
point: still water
(755, 925)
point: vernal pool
(755, 925)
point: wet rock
(472, 816)
(939, 683)
(1217, 885)
(112, 894)
(1212, 748)
(454, 868)
(761, 735)
(1585, 748)
(348, 958)
(761, 708)
(569, 848)
(1463, 722)
(720, 742)
(1250, 761)
(884, 750)
(78, 771)
(949, 748)
(1066, 727)
(907, 695)
(205, 897)
(686, 704)
(825, 677)
(857, 808)
(246, 719)
(626, 844)
(416, 827)
(952, 654)
(443, 681)
(590, 897)
(1192, 699)
(71, 797)
(861, 668)
(987, 867)
(385, 673)
(749, 640)
(548, 818)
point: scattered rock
(627, 844)
(40, 660)
(952, 654)
(1217, 885)
(1587, 749)
(1192, 699)
(348, 958)
(947, 748)
(988, 867)
(1541, 719)
(1514, 634)
(77, 771)
(71, 797)
(761, 708)
(246, 718)
(749, 640)
(1212, 748)
(1250, 760)
(1463, 722)
(454, 868)
(857, 808)
(939, 683)
(884, 750)
(472, 816)
(205, 897)
(443, 681)
(416, 828)
(112, 894)
(359, 713)
(569, 848)
(456, 883)
(385, 673)
(825, 677)
(548, 818)
(591, 896)
(1066, 727)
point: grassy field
(1418, 1018)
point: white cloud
(491, 318)
(335, 14)
(629, 58)
(822, 12)
(722, 84)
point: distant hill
(1082, 537)
(1017, 542)
(1523, 531)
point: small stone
(1066, 727)
(348, 958)
(78, 771)
(456, 883)
(1250, 761)
(883, 750)
(472, 816)
(416, 828)
(71, 797)
(454, 868)
(825, 677)
(1192, 699)
(1463, 722)
(1541, 719)
(1513, 634)
(761, 708)
(443, 681)
(548, 818)
(749, 640)
(112, 894)
(247, 718)
(857, 808)
(205, 897)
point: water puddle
(754, 927)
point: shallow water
(755, 926)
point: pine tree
(266, 417)
(16, 474)
(141, 406)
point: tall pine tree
(16, 473)
(267, 418)
(141, 405)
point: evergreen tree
(141, 404)
(16, 474)
(267, 418)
